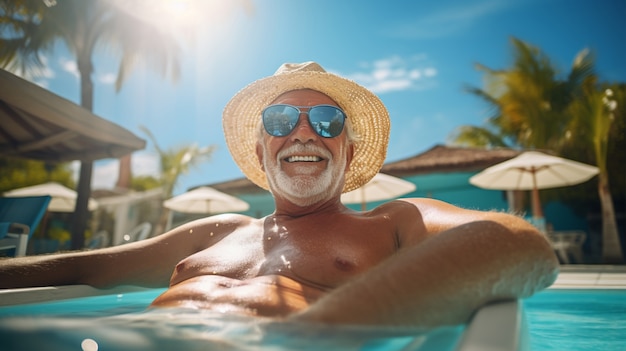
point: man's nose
(303, 132)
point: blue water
(577, 320)
(563, 320)
(121, 322)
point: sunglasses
(326, 120)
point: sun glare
(179, 14)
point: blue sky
(416, 55)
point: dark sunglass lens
(279, 120)
(327, 120)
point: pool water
(121, 322)
(577, 320)
(564, 320)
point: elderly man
(307, 136)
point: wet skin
(274, 266)
(282, 263)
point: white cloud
(146, 164)
(395, 74)
(69, 66)
(106, 171)
(105, 174)
(107, 78)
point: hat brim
(367, 114)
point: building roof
(236, 187)
(441, 158)
(37, 124)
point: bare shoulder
(441, 215)
(399, 211)
(406, 220)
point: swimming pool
(119, 321)
(570, 319)
(577, 320)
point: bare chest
(322, 255)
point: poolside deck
(591, 277)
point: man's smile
(291, 159)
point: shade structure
(533, 170)
(381, 187)
(63, 198)
(37, 124)
(205, 200)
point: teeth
(303, 159)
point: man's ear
(259, 155)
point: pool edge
(22, 296)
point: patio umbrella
(205, 200)
(534, 170)
(381, 187)
(63, 198)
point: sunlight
(181, 14)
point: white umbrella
(534, 170)
(381, 187)
(205, 200)
(63, 198)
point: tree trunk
(611, 246)
(79, 217)
(125, 173)
(81, 211)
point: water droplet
(89, 345)
(190, 231)
(211, 234)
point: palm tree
(174, 163)
(31, 28)
(528, 101)
(534, 108)
(592, 117)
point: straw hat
(367, 114)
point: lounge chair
(99, 240)
(19, 217)
(138, 233)
(568, 244)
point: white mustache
(304, 149)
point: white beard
(303, 189)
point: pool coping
(591, 277)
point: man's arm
(148, 263)
(469, 258)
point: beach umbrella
(533, 170)
(381, 187)
(63, 198)
(205, 200)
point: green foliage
(535, 107)
(471, 136)
(143, 183)
(19, 173)
(177, 161)
(529, 100)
